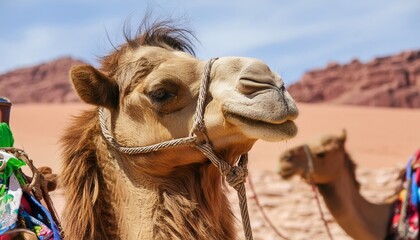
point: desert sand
(379, 139)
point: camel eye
(160, 95)
(320, 155)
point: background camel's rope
(266, 218)
(314, 190)
(235, 175)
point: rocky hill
(392, 81)
(44, 83)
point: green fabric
(12, 166)
(6, 136)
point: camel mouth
(286, 127)
(286, 168)
(269, 107)
(252, 121)
(286, 173)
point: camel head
(328, 155)
(149, 87)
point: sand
(379, 139)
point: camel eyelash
(161, 95)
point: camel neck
(190, 204)
(360, 218)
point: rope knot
(199, 129)
(236, 176)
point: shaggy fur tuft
(87, 210)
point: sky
(290, 36)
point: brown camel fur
(335, 178)
(149, 87)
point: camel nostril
(249, 86)
(257, 76)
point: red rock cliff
(44, 83)
(392, 81)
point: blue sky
(291, 36)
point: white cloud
(43, 43)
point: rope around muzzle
(234, 175)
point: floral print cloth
(19, 210)
(9, 205)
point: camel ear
(343, 136)
(94, 87)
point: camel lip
(260, 110)
(252, 121)
(286, 128)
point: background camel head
(149, 85)
(328, 156)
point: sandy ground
(379, 139)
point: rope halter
(310, 160)
(234, 175)
(309, 177)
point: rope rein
(314, 190)
(263, 213)
(234, 175)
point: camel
(148, 88)
(334, 176)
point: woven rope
(199, 126)
(234, 175)
(136, 150)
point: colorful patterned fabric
(405, 220)
(18, 209)
(9, 205)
